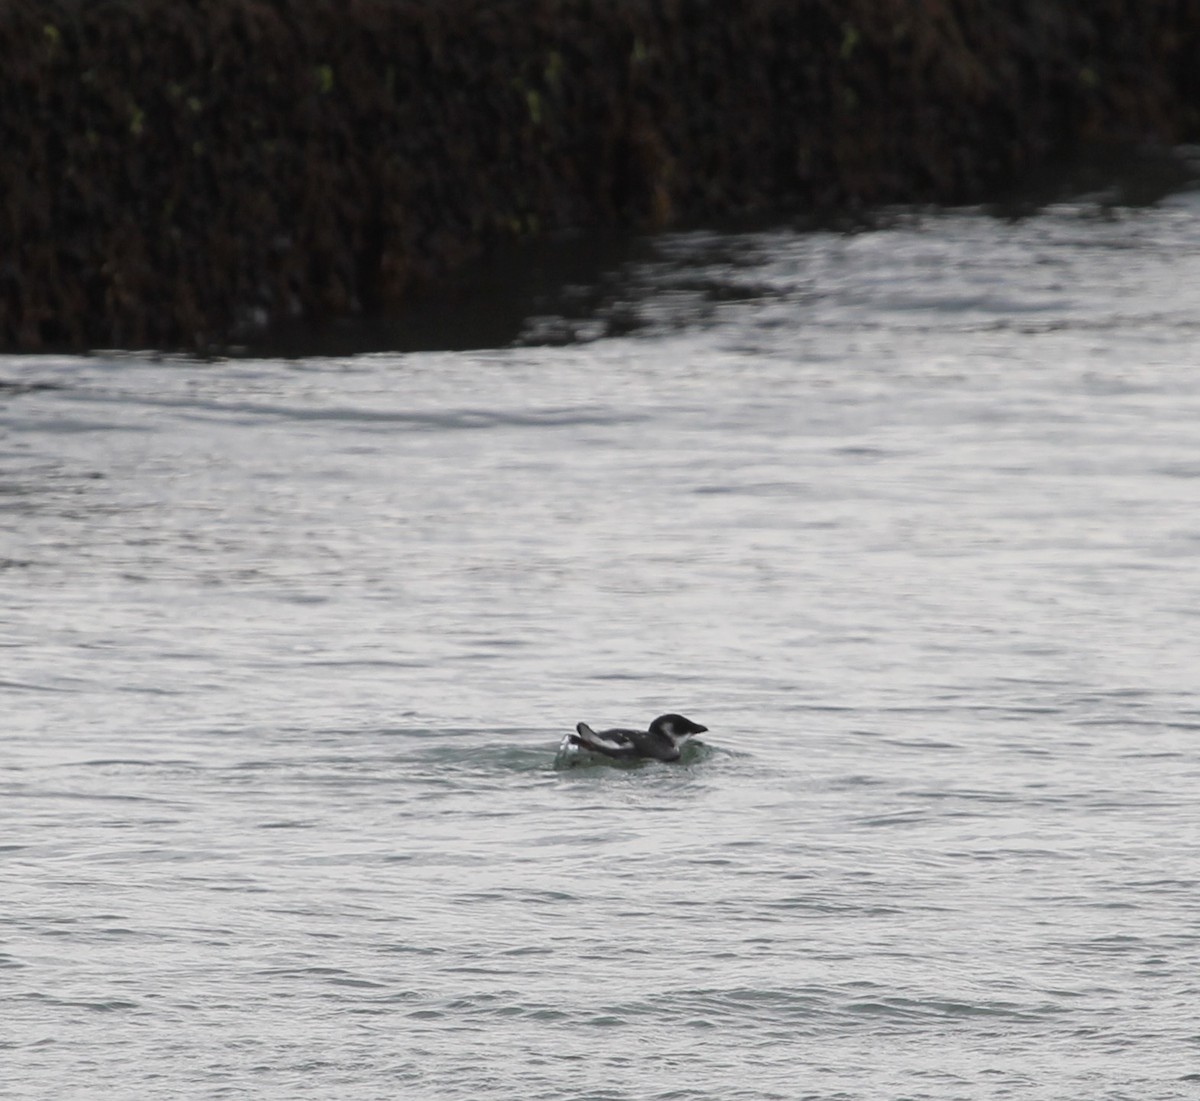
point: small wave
(98, 1005)
(193, 407)
(570, 757)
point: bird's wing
(613, 743)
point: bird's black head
(676, 726)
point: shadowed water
(911, 525)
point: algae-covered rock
(174, 174)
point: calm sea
(909, 518)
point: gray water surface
(911, 525)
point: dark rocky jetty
(175, 174)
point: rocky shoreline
(174, 175)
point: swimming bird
(662, 742)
